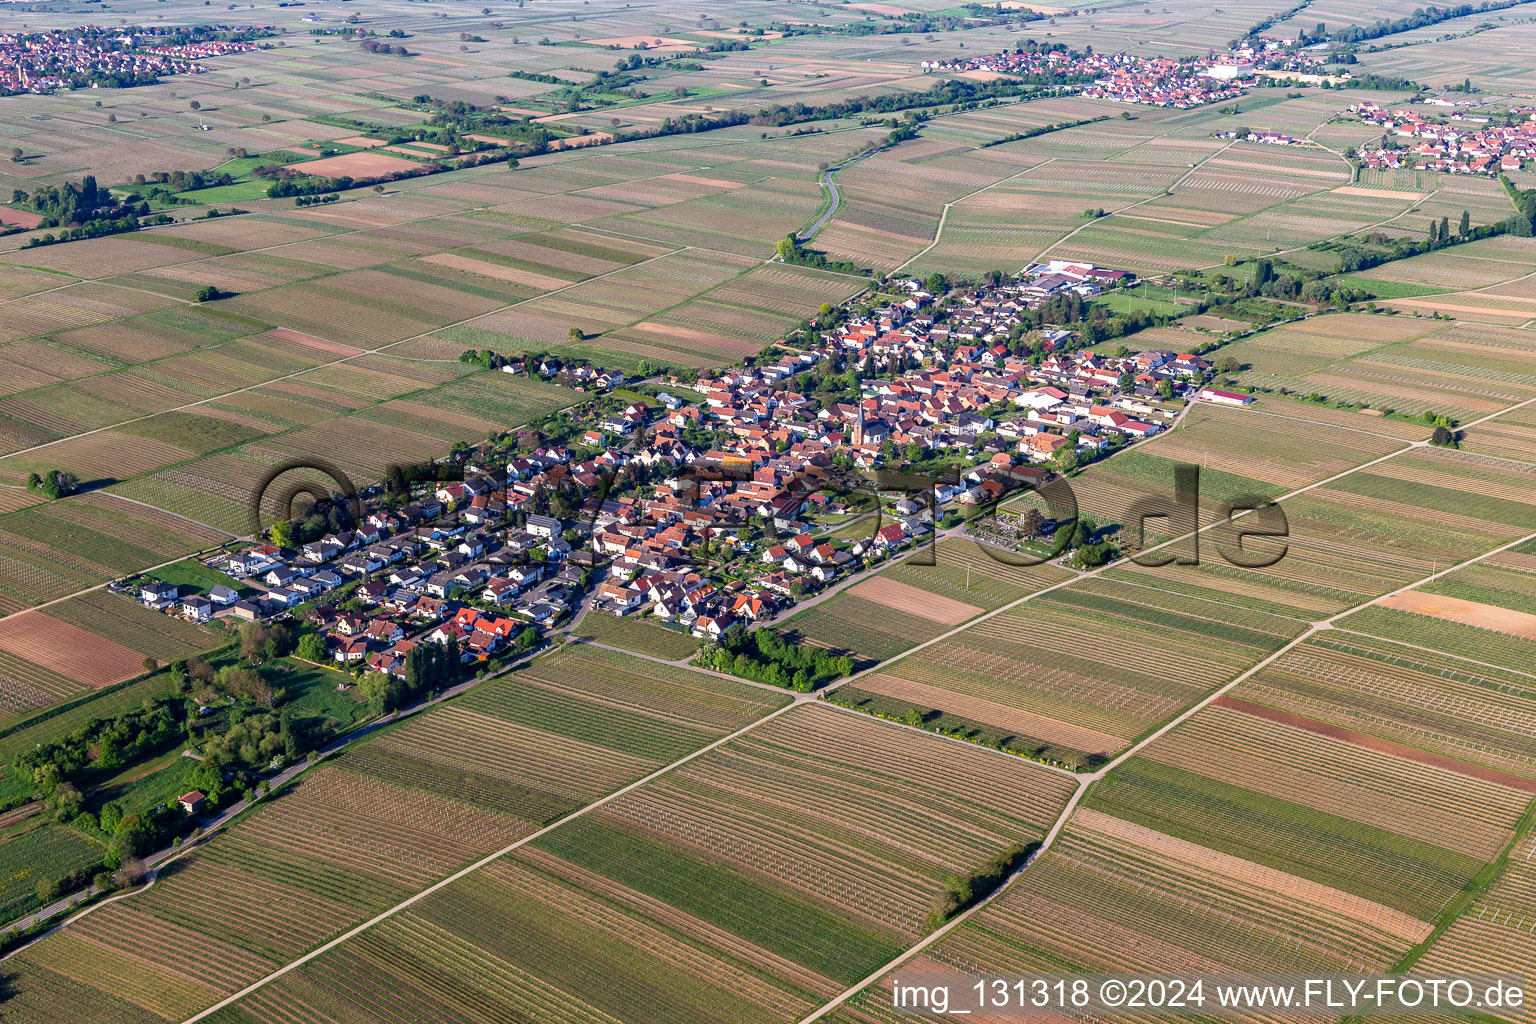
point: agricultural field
(410, 806)
(1029, 681)
(606, 836)
(1406, 693)
(660, 888)
(33, 850)
(637, 634)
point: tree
(129, 873)
(912, 717)
(1443, 437)
(208, 293)
(149, 664)
(381, 690)
(281, 534)
(936, 283)
(1434, 234)
(1127, 382)
(1065, 459)
(195, 105)
(576, 334)
(289, 731)
(1445, 230)
(1032, 524)
(1466, 224)
(311, 648)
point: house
(192, 802)
(198, 609)
(158, 595)
(284, 597)
(544, 526)
(222, 595)
(620, 599)
(350, 649)
(247, 610)
(372, 592)
(279, 576)
(253, 561)
(1222, 397)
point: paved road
(831, 210)
(837, 197)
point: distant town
(96, 55)
(1152, 81)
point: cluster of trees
(266, 641)
(953, 90)
(83, 211)
(1523, 223)
(428, 668)
(183, 181)
(791, 251)
(1355, 257)
(399, 477)
(329, 197)
(963, 890)
(763, 656)
(53, 483)
(1092, 550)
(65, 204)
(329, 515)
(102, 742)
(374, 46)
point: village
(93, 55)
(1151, 81)
(722, 500)
(1459, 144)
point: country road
(832, 208)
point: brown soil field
(1505, 312)
(710, 343)
(1247, 873)
(354, 165)
(1360, 739)
(1470, 613)
(903, 597)
(1379, 193)
(68, 649)
(309, 340)
(649, 42)
(543, 282)
(979, 709)
(20, 217)
(361, 142)
(697, 180)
